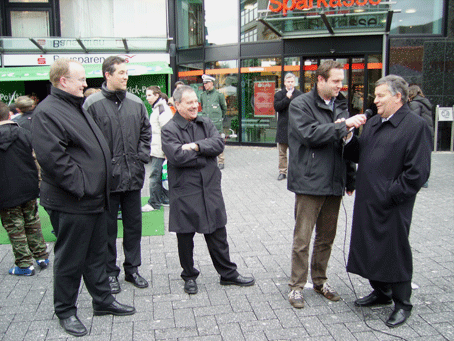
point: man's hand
(350, 193)
(189, 146)
(355, 121)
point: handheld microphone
(368, 113)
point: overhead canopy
(92, 71)
(328, 21)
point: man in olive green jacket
(214, 106)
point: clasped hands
(190, 146)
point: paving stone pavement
(260, 228)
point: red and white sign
(264, 99)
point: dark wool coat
(316, 166)
(421, 106)
(73, 155)
(196, 202)
(123, 119)
(281, 104)
(393, 163)
(19, 175)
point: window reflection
(190, 23)
(251, 29)
(221, 21)
(418, 17)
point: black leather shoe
(397, 318)
(240, 281)
(281, 177)
(190, 287)
(115, 308)
(137, 280)
(73, 326)
(371, 300)
(114, 285)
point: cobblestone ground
(260, 228)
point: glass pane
(13, 1)
(356, 93)
(191, 74)
(221, 22)
(310, 67)
(292, 65)
(259, 81)
(190, 23)
(418, 17)
(374, 73)
(226, 74)
(251, 29)
(30, 24)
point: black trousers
(399, 292)
(80, 251)
(218, 248)
(131, 210)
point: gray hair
(288, 75)
(396, 84)
(178, 93)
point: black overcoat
(281, 105)
(393, 163)
(196, 202)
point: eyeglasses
(82, 80)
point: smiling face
(329, 88)
(119, 79)
(386, 103)
(188, 106)
(76, 82)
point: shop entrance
(361, 73)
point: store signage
(264, 99)
(86, 59)
(282, 5)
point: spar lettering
(282, 6)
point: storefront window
(417, 17)
(107, 18)
(191, 74)
(190, 28)
(221, 21)
(30, 24)
(260, 79)
(226, 74)
(13, 1)
(251, 29)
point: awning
(92, 71)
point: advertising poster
(264, 99)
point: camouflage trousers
(24, 231)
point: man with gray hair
(76, 170)
(282, 101)
(393, 156)
(191, 145)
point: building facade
(247, 45)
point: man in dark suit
(75, 161)
(282, 101)
(393, 156)
(191, 145)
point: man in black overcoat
(191, 145)
(393, 156)
(75, 161)
(282, 101)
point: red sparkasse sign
(282, 5)
(264, 99)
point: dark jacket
(316, 166)
(73, 155)
(123, 119)
(196, 202)
(25, 120)
(393, 163)
(281, 105)
(19, 183)
(421, 106)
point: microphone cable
(348, 274)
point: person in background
(76, 169)
(214, 107)
(25, 106)
(159, 117)
(191, 145)
(171, 102)
(393, 156)
(19, 190)
(90, 91)
(282, 101)
(123, 120)
(319, 176)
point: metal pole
(436, 127)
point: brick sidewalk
(260, 229)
